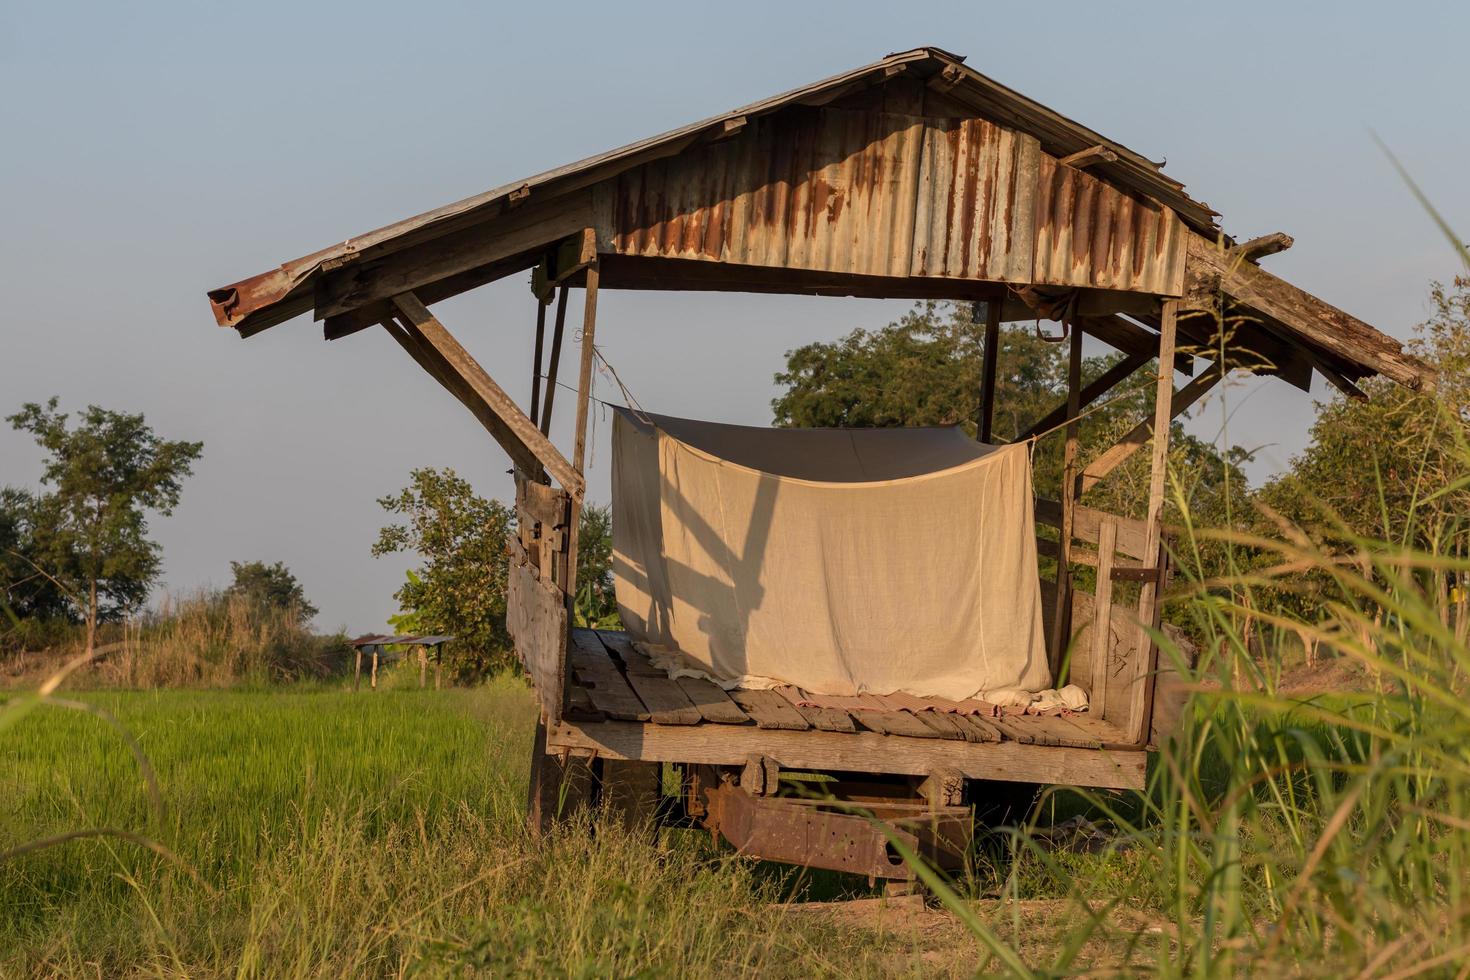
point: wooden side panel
(1122, 654)
(536, 617)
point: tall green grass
(341, 834)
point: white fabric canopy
(841, 561)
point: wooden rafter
(1258, 248)
(464, 377)
(1140, 433)
(1091, 392)
(526, 231)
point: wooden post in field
(423, 666)
(988, 369)
(375, 668)
(357, 671)
(438, 663)
(579, 450)
(1140, 694)
(1061, 626)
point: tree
(596, 605)
(925, 369)
(271, 587)
(90, 532)
(461, 588)
(1392, 467)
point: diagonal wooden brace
(441, 355)
(1140, 433)
(1099, 386)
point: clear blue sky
(152, 151)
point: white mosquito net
(841, 561)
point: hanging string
(629, 399)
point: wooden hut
(912, 177)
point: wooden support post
(579, 451)
(357, 670)
(423, 667)
(1102, 617)
(536, 361)
(375, 668)
(1148, 603)
(988, 369)
(438, 664)
(1061, 627)
(556, 335)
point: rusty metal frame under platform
(820, 834)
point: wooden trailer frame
(912, 177)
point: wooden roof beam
(1210, 269)
(528, 228)
(1083, 159)
(1258, 248)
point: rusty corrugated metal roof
(272, 297)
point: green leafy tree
(596, 606)
(461, 587)
(925, 369)
(89, 532)
(271, 586)
(1392, 466)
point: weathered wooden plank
(988, 369)
(666, 701)
(420, 322)
(1086, 158)
(427, 358)
(770, 710)
(1261, 246)
(713, 703)
(888, 721)
(536, 618)
(822, 719)
(1017, 729)
(1132, 535)
(631, 793)
(976, 729)
(856, 752)
(941, 724)
(605, 684)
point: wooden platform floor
(612, 681)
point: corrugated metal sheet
(879, 194)
(261, 301)
(974, 212)
(811, 189)
(1088, 233)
